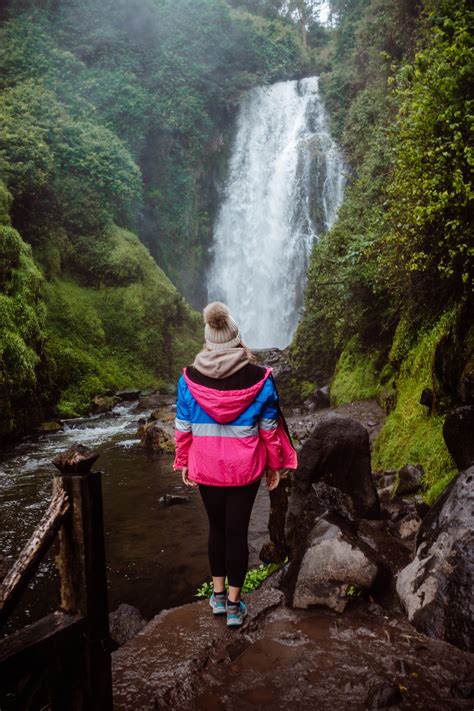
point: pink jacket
(229, 438)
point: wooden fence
(62, 662)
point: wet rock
(51, 427)
(173, 500)
(332, 500)
(338, 454)
(427, 398)
(458, 433)
(421, 506)
(163, 414)
(408, 480)
(320, 397)
(331, 564)
(155, 439)
(436, 588)
(393, 554)
(406, 527)
(463, 690)
(383, 695)
(128, 394)
(276, 550)
(150, 401)
(124, 623)
(103, 403)
(283, 659)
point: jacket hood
(221, 363)
(225, 405)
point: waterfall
(284, 186)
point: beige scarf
(221, 363)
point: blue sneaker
(236, 615)
(218, 604)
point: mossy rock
(155, 439)
(104, 403)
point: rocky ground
(282, 659)
(367, 657)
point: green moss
(295, 390)
(356, 376)
(113, 337)
(410, 434)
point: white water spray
(284, 187)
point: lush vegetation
(113, 121)
(390, 286)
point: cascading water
(284, 187)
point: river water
(156, 556)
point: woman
(229, 431)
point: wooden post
(82, 568)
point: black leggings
(228, 510)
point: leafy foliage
(399, 88)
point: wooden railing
(62, 662)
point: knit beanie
(220, 330)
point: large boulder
(332, 565)
(436, 588)
(338, 454)
(458, 433)
(329, 556)
(333, 488)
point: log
(82, 568)
(23, 570)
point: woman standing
(229, 432)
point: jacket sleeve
(183, 429)
(267, 426)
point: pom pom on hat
(220, 330)
(216, 315)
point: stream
(156, 556)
